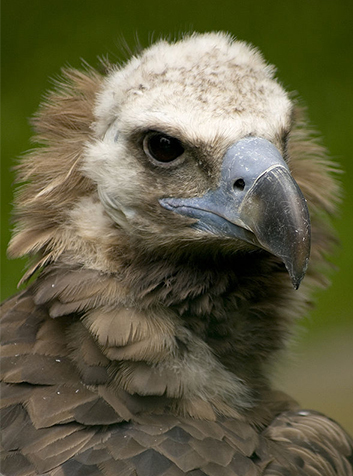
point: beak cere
(257, 201)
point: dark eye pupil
(164, 148)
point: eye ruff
(162, 148)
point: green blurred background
(310, 42)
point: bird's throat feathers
(184, 332)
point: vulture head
(207, 125)
(172, 208)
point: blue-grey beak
(257, 201)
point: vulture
(169, 211)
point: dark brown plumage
(144, 343)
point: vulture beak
(257, 201)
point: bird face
(190, 146)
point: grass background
(310, 42)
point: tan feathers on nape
(311, 167)
(51, 172)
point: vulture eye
(162, 147)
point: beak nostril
(239, 184)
